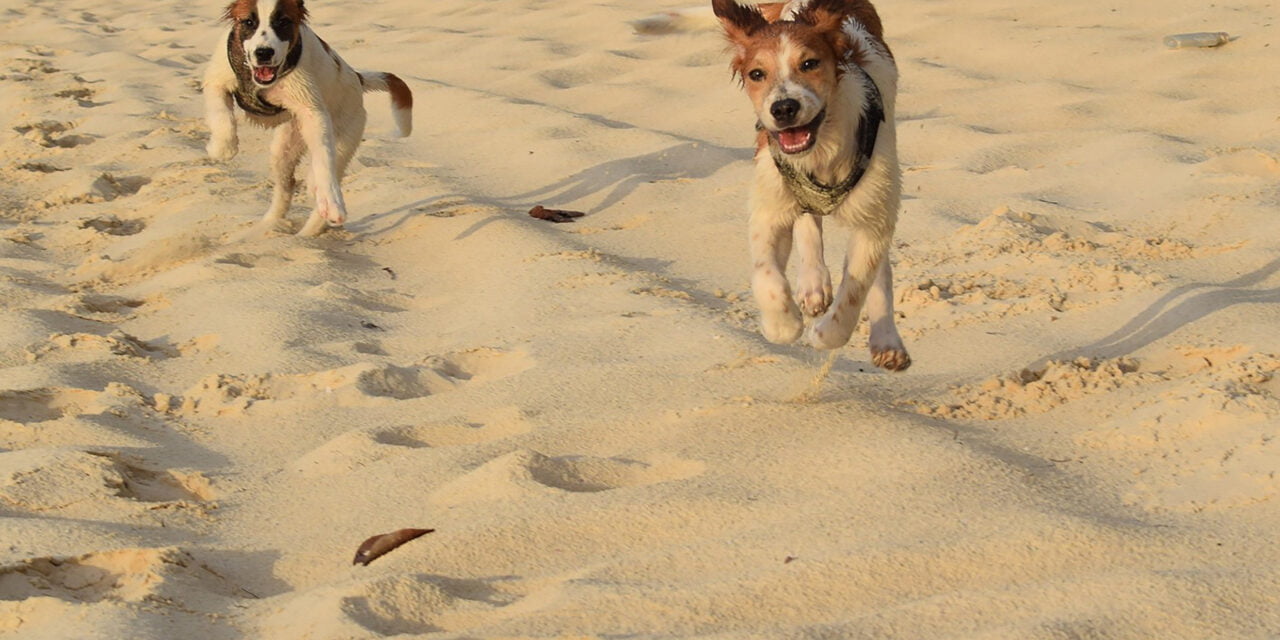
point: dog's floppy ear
(238, 10)
(828, 17)
(229, 14)
(825, 14)
(739, 21)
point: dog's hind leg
(286, 150)
(867, 250)
(316, 223)
(770, 247)
(813, 283)
(887, 351)
(349, 132)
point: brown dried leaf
(554, 215)
(384, 543)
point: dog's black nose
(784, 111)
(264, 54)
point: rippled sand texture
(199, 423)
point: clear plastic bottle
(1202, 39)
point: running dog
(823, 84)
(282, 75)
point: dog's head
(789, 67)
(266, 31)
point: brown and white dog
(283, 76)
(823, 84)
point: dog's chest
(248, 95)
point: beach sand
(198, 426)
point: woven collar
(247, 94)
(820, 199)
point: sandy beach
(199, 425)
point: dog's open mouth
(264, 75)
(802, 138)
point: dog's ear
(827, 17)
(739, 21)
(239, 10)
(230, 13)
(825, 14)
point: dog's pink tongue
(264, 74)
(796, 138)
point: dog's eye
(280, 23)
(250, 23)
(810, 64)
(756, 75)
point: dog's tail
(678, 21)
(401, 97)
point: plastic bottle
(1202, 39)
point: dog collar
(820, 199)
(247, 94)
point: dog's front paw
(223, 149)
(831, 331)
(781, 327)
(813, 292)
(331, 207)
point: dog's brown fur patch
(752, 30)
(241, 9)
(401, 96)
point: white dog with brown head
(282, 75)
(823, 84)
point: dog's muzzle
(264, 72)
(799, 139)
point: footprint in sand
(245, 260)
(104, 188)
(524, 473)
(106, 307)
(48, 134)
(384, 301)
(998, 157)
(359, 384)
(369, 348)
(403, 604)
(112, 225)
(449, 208)
(579, 73)
(399, 604)
(161, 577)
(39, 480)
(40, 167)
(108, 187)
(92, 347)
(31, 406)
(362, 447)
(28, 69)
(82, 95)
